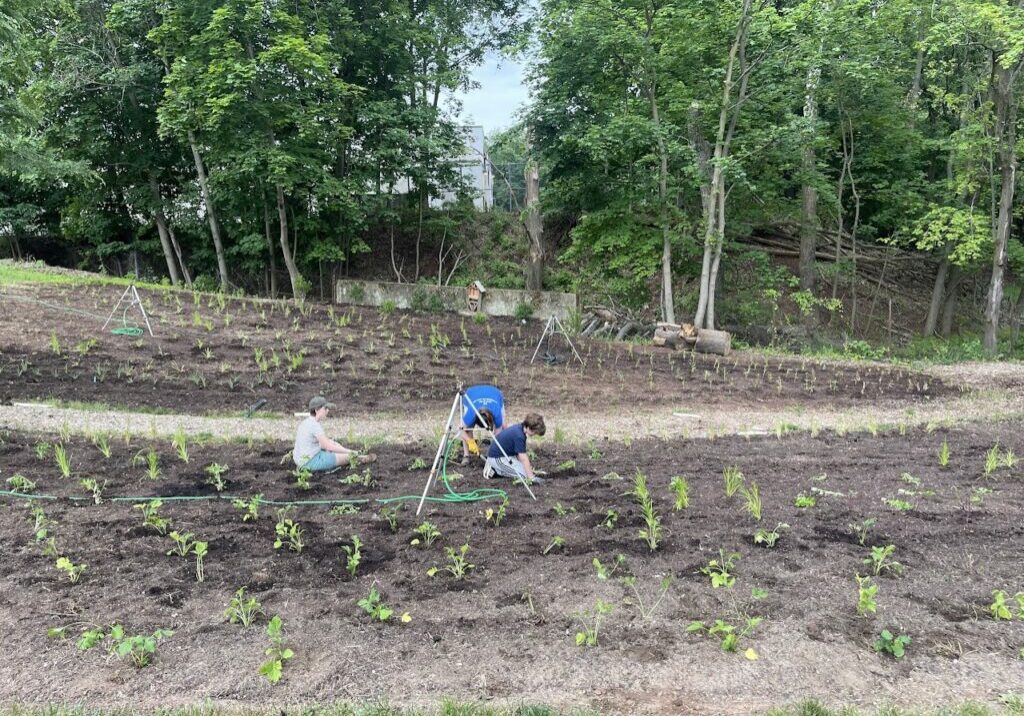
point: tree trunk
(270, 252)
(534, 229)
(1006, 125)
(211, 214)
(714, 209)
(938, 293)
(286, 249)
(165, 235)
(809, 227)
(949, 306)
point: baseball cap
(321, 402)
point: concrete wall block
(496, 302)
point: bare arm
(525, 460)
(330, 446)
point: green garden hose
(451, 496)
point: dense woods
(681, 146)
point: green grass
(21, 272)
(1012, 705)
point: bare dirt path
(997, 393)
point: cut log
(716, 342)
(688, 330)
(627, 330)
(666, 337)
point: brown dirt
(505, 634)
(203, 360)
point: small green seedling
(458, 565)
(180, 443)
(680, 492)
(182, 544)
(590, 623)
(20, 483)
(557, 542)
(71, 570)
(427, 532)
(373, 604)
(880, 561)
(752, 496)
(610, 518)
(93, 487)
(944, 454)
(353, 555)
(804, 502)
(60, 455)
(288, 532)
(720, 570)
(279, 654)
(608, 572)
(892, 645)
(646, 608)
(495, 517)
(652, 531)
(727, 634)
(242, 609)
(992, 459)
(138, 649)
(1000, 607)
(861, 529)
(151, 516)
(767, 537)
(866, 592)
(390, 515)
(216, 476)
(250, 508)
(733, 480)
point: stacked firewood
(686, 336)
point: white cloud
(501, 93)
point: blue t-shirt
(512, 439)
(483, 396)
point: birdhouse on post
(475, 296)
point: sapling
(680, 491)
(866, 592)
(273, 668)
(373, 604)
(39, 523)
(354, 555)
(243, 610)
(590, 623)
(880, 561)
(458, 565)
(71, 570)
(60, 454)
(216, 472)
(494, 516)
(427, 532)
(733, 480)
(557, 542)
(138, 649)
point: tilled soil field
(507, 631)
(215, 355)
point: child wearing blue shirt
(508, 457)
(481, 402)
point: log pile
(687, 337)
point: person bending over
(490, 406)
(507, 456)
(316, 452)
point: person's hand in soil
(367, 458)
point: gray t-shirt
(306, 443)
